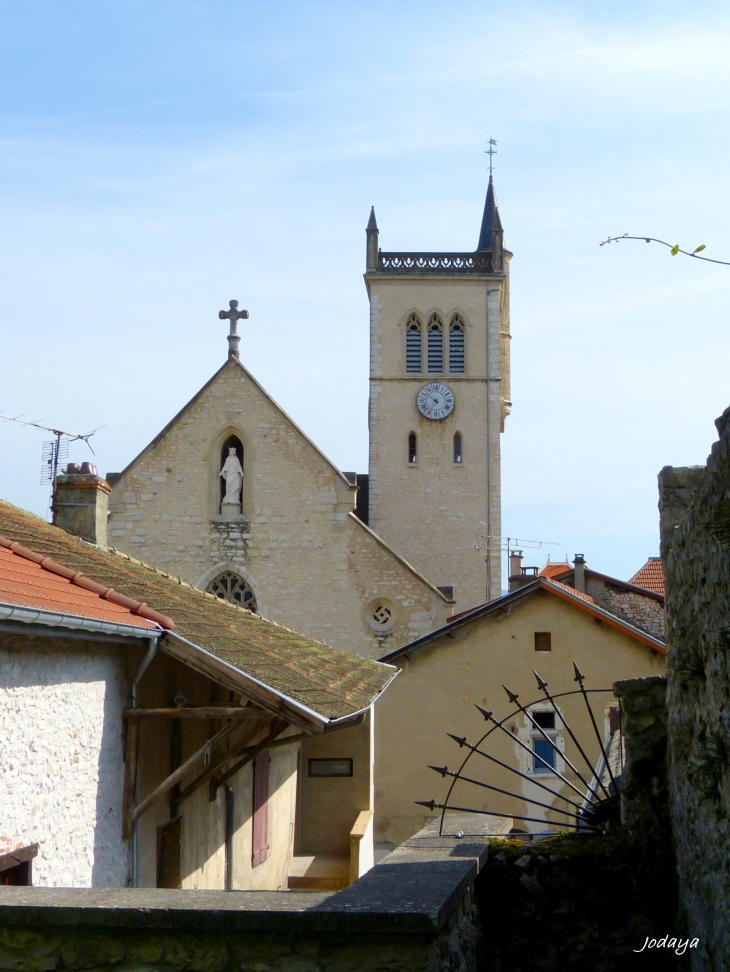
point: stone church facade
(296, 545)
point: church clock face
(435, 401)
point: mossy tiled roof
(329, 681)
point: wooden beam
(202, 778)
(130, 778)
(197, 712)
(205, 751)
(279, 726)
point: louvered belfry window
(456, 345)
(413, 344)
(435, 345)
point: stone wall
(310, 562)
(414, 911)
(646, 613)
(644, 794)
(61, 762)
(695, 521)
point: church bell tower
(439, 395)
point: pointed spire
(371, 232)
(490, 208)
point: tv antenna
(55, 450)
(509, 543)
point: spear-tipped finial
(512, 696)
(541, 683)
(430, 804)
(578, 674)
(443, 770)
(460, 739)
(487, 715)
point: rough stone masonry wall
(61, 764)
(645, 612)
(695, 521)
(415, 911)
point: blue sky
(158, 159)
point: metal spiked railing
(584, 816)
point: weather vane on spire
(491, 151)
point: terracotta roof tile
(27, 584)
(571, 590)
(329, 681)
(651, 576)
(554, 570)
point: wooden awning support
(204, 753)
(197, 712)
(247, 755)
(210, 771)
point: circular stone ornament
(435, 401)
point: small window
(412, 449)
(543, 641)
(614, 719)
(543, 753)
(456, 345)
(413, 344)
(545, 720)
(435, 345)
(457, 448)
(330, 767)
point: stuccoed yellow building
(543, 627)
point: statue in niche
(232, 473)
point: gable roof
(322, 683)
(650, 576)
(567, 572)
(501, 604)
(235, 363)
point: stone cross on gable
(234, 315)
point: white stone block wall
(61, 763)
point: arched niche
(230, 437)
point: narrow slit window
(413, 345)
(435, 346)
(457, 449)
(456, 345)
(412, 449)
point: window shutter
(435, 346)
(413, 345)
(456, 346)
(260, 816)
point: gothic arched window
(456, 344)
(435, 345)
(458, 455)
(412, 449)
(232, 442)
(413, 344)
(229, 586)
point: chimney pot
(81, 502)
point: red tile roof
(651, 576)
(554, 570)
(34, 583)
(571, 590)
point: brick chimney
(81, 502)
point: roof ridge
(81, 580)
